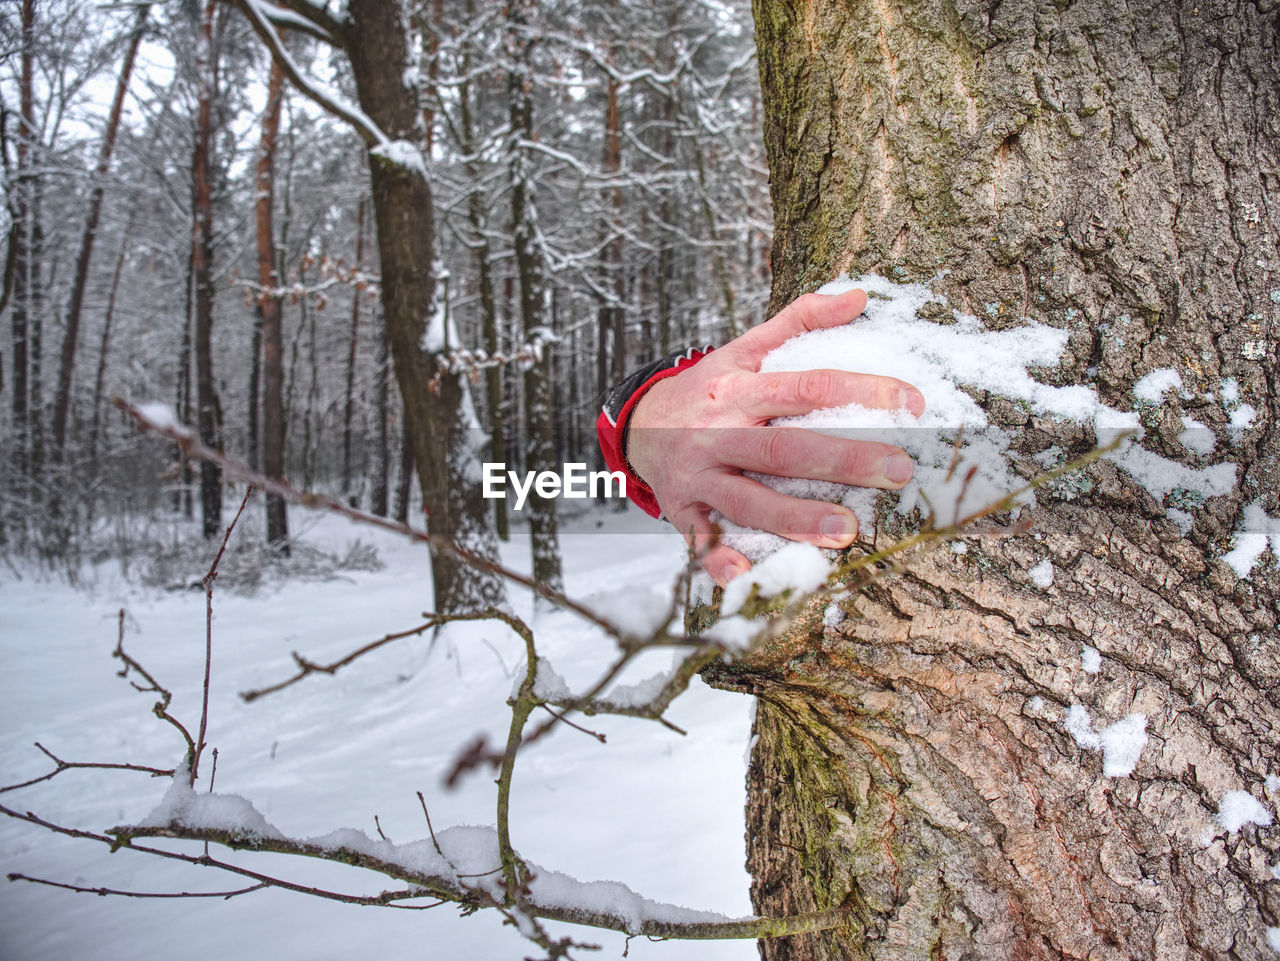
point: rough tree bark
(1109, 168)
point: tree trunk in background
(378, 499)
(613, 315)
(271, 313)
(207, 417)
(1105, 168)
(476, 217)
(24, 236)
(404, 482)
(435, 399)
(71, 334)
(348, 410)
(182, 500)
(95, 426)
(539, 427)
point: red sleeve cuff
(613, 434)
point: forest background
(167, 193)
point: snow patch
(1121, 743)
(1154, 385)
(1090, 660)
(799, 568)
(162, 417)
(1042, 574)
(403, 154)
(232, 813)
(947, 361)
(735, 633)
(1196, 436)
(1257, 530)
(1238, 808)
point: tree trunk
(271, 313)
(104, 346)
(71, 334)
(353, 340)
(378, 499)
(1104, 168)
(207, 420)
(436, 400)
(24, 238)
(404, 480)
(182, 500)
(477, 218)
(539, 427)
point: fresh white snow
(1238, 808)
(1152, 387)
(1042, 574)
(650, 811)
(1121, 743)
(1257, 530)
(799, 568)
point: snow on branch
(260, 20)
(305, 18)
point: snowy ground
(656, 811)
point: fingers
(793, 452)
(784, 394)
(722, 562)
(751, 504)
(810, 312)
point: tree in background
(1110, 170)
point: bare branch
(430, 829)
(369, 132)
(103, 892)
(209, 578)
(68, 765)
(305, 17)
(161, 707)
(307, 668)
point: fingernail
(898, 468)
(913, 401)
(838, 527)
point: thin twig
(68, 765)
(161, 708)
(103, 892)
(577, 727)
(430, 829)
(208, 581)
(307, 668)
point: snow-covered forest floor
(659, 812)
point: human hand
(692, 435)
